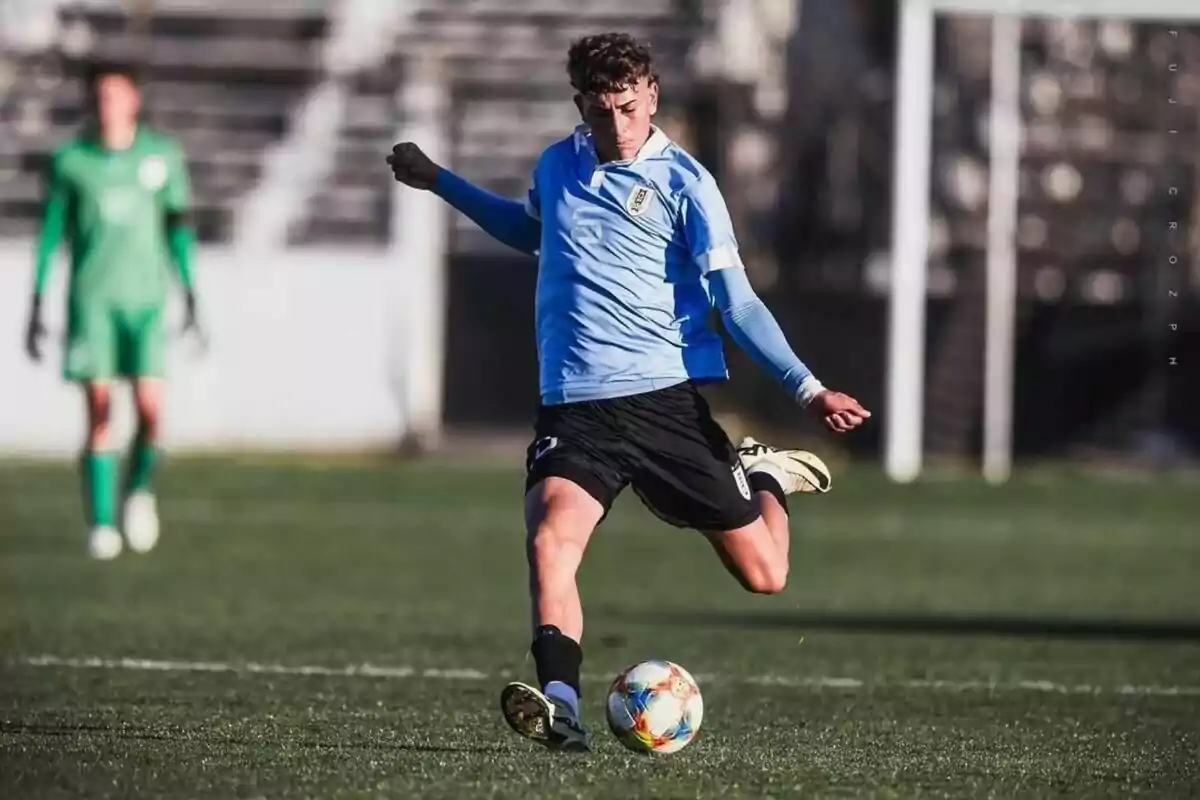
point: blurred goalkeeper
(118, 194)
(635, 246)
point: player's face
(117, 101)
(620, 121)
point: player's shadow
(930, 624)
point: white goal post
(903, 445)
(419, 251)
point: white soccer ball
(654, 707)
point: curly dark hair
(608, 62)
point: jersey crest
(639, 200)
(152, 173)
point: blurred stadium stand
(1097, 166)
(224, 77)
(511, 96)
(230, 79)
(1097, 169)
(789, 103)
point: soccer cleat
(535, 716)
(796, 470)
(141, 522)
(104, 543)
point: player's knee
(555, 546)
(99, 404)
(552, 549)
(148, 404)
(148, 410)
(147, 419)
(766, 579)
(98, 436)
(559, 518)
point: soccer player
(635, 246)
(118, 194)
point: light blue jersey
(632, 255)
(622, 305)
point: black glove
(190, 322)
(35, 330)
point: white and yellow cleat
(141, 522)
(795, 470)
(535, 716)
(104, 543)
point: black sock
(762, 482)
(558, 657)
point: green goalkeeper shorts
(105, 342)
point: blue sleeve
(507, 221)
(707, 226)
(533, 200)
(753, 327)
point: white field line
(466, 674)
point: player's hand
(840, 412)
(191, 325)
(190, 322)
(412, 167)
(35, 330)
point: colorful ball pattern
(655, 707)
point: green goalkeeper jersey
(114, 208)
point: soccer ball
(654, 707)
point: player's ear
(653, 94)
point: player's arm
(50, 236)
(508, 221)
(752, 325)
(181, 238)
(709, 233)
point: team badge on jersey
(639, 200)
(152, 173)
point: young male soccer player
(635, 246)
(118, 193)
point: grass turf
(947, 639)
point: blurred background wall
(347, 313)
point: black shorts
(664, 443)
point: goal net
(1043, 179)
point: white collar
(655, 144)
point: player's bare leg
(559, 518)
(757, 555)
(141, 525)
(100, 474)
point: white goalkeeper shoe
(795, 470)
(535, 716)
(141, 522)
(104, 543)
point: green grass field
(941, 640)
